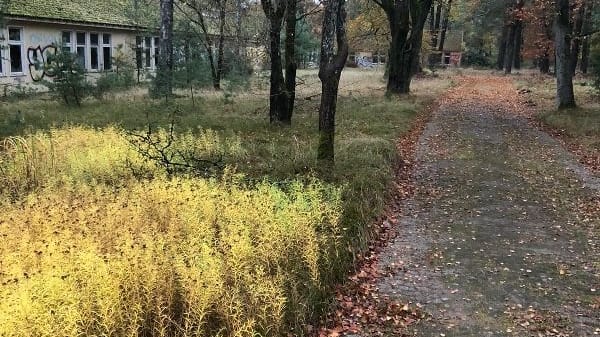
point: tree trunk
(436, 29)
(241, 41)
(576, 40)
(518, 44)
(221, 46)
(405, 43)
(330, 70)
(445, 25)
(502, 41)
(399, 64)
(278, 98)
(514, 36)
(562, 41)
(290, 56)
(164, 72)
(587, 27)
(544, 63)
(510, 48)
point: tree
(330, 69)
(562, 40)
(278, 97)
(579, 12)
(163, 85)
(587, 29)
(539, 33)
(509, 53)
(210, 38)
(445, 23)
(406, 19)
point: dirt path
(496, 241)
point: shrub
(165, 258)
(477, 58)
(120, 78)
(69, 83)
(83, 155)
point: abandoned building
(93, 30)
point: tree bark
(436, 29)
(544, 64)
(514, 36)
(164, 72)
(406, 39)
(510, 49)
(330, 69)
(562, 41)
(587, 27)
(576, 40)
(290, 56)
(278, 98)
(241, 41)
(220, 47)
(518, 44)
(502, 41)
(445, 25)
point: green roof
(109, 12)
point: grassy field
(581, 125)
(97, 240)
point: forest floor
(500, 236)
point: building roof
(107, 12)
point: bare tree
(210, 37)
(562, 40)
(330, 69)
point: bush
(477, 58)
(120, 78)
(112, 81)
(165, 258)
(69, 83)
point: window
(94, 54)
(106, 51)
(15, 49)
(138, 52)
(67, 41)
(147, 51)
(80, 39)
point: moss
(112, 12)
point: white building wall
(38, 39)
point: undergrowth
(97, 240)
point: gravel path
(496, 240)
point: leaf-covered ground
(499, 238)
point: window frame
(20, 43)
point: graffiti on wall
(37, 57)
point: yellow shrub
(181, 257)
